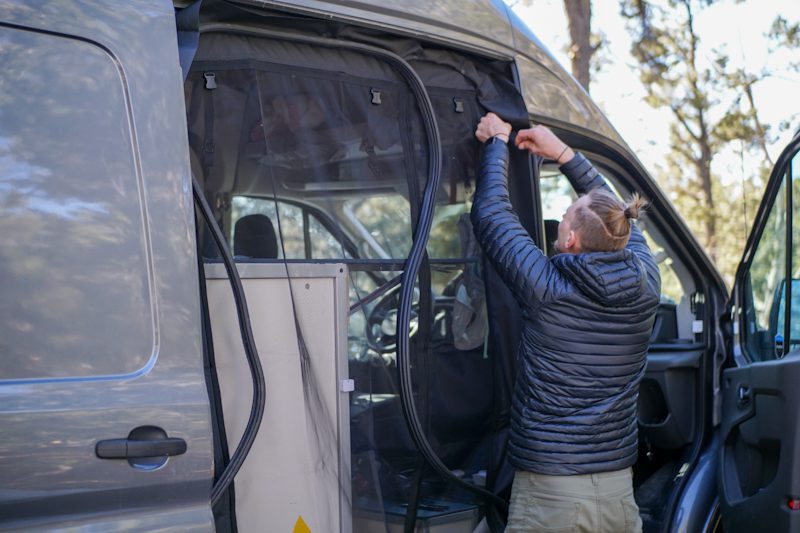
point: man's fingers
(525, 145)
(525, 135)
(482, 131)
(524, 141)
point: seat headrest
(550, 236)
(254, 237)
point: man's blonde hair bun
(635, 205)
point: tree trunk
(579, 15)
(760, 130)
(704, 166)
(700, 103)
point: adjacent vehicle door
(103, 404)
(759, 476)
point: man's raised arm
(521, 264)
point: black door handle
(128, 448)
(145, 441)
(744, 395)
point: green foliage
(783, 33)
(735, 125)
(713, 108)
(388, 220)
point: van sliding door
(104, 412)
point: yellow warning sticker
(300, 526)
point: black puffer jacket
(587, 321)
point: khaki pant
(591, 503)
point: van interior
(313, 151)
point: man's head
(597, 222)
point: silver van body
(101, 316)
(111, 399)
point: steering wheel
(381, 328)
(381, 325)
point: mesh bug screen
(319, 156)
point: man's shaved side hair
(604, 222)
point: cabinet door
(100, 338)
(759, 480)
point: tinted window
(764, 283)
(72, 246)
(778, 325)
(558, 194)
(323, 244)
(296, 231)
(387, 219)
(794, 316)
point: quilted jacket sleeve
(523, 266)
(585, 177)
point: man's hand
(492, 126)
(541, 141)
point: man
(588, 313)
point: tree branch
(682, 119)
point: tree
(784, 33)
(713, 103)
(584, 44)
(665, 44)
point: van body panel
(481, 25)
(50, 474)
(552, 97)
(174, 518)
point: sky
(739, 28)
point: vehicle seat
(550, 236)
(254, 237)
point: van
(240, 290)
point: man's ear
(571, 241)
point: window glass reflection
(71, 238)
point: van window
(295, 230)
(764, 288)
(794, 306)
(387, 221)
(558, 194)
(72, 239)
